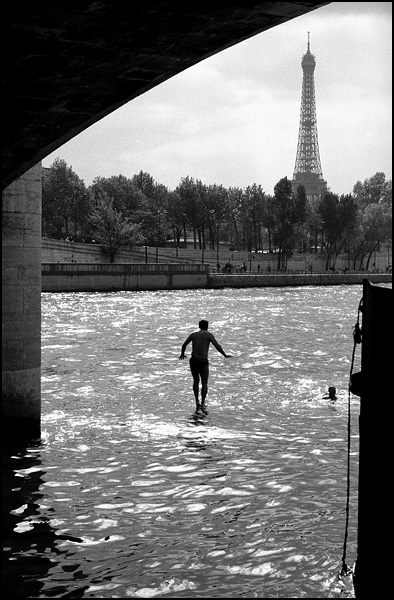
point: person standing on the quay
(199, 365)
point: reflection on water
(128, 496)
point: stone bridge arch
(67, 66)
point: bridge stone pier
(67, 66)
(21, 299)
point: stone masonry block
(21, 393)
(12, 355)
(19, 327)
(32, 231)
(32, 353)
(11, 301)
(12, 230)
(32, 300)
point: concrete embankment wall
(283, 280)
(133, 277)
(116, 277)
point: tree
(375, 190)
(217, 210)
(176, 216)
(235, 198)
(338, 217)
(288, 210)
(314, 226)
(188, 193)
(254, 213)
(374, 228)
(145, 183)
(65, 203)
(374, 221)
(268, 219)
(141, 200)
(331, 223)
(202, 212)
(127, 197)
(113, 230)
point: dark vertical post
(371, 579)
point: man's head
(203, 324)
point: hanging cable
(345, 569)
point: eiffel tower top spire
(307, 170)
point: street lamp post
(143, 220)
(146, 239)
(203, 239)
(75, 215)
(158, 236)
(158, 233)
(175, 233)
(217, 237)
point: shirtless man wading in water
(199, 365)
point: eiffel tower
(307, 170)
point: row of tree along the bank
(118, 211)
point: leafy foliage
(288, 211)
(119, 210)
(65, 205)
(373, 225)
(113, 230)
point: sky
(233, 119)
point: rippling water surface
(128, 496)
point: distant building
(307, 170)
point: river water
(128, 495)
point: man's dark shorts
(197, 365)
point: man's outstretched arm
(189, 339)
(219, 348)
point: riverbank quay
(57, 277)
(217, 281)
